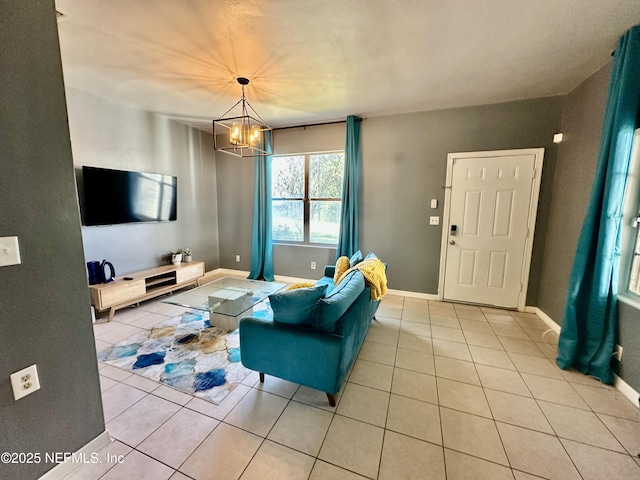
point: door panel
(498, 269)
(467, 271)
(489, 205)
(503, 213)
(471, 214)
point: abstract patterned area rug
(186, 353)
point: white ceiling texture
(321, 60)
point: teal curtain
(348, 238)
(589, 323)
(261, 241)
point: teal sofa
(315, 333)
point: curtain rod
(314, 124)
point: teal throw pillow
(355, 259)
(370, 255)
(331, 308)
(296, 307)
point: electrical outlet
(237, 258)
(618, 352)
(434, 220)
(24, 382)
(313, 265)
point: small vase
(186, 258)
(176, 259)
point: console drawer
(121, 292)
(189, 272)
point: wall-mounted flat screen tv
(117, 196)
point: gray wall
(577, 157)
(235, 209)
(112, 135)
(235, 204)
(404, 167)
(44, 302)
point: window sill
(629, 299)
(305, 245)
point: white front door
(488, 227)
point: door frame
(531, 223)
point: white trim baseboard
(62, 470)
(419, 295)
(544, 317)
(623, 387)
(228, 271)
(627, 390)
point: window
(634, 276)
(306, 197)
(630, 251)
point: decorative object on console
(103, 269)
(185, 353)
(176, 257)
(241, 134)
(96, 274)
(186, 255)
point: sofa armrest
(296, 354)
(329, 270)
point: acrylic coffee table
(227, 300)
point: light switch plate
(434, 203)
(9, 251)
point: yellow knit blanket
(374, 273)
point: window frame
(630, 227)
(306, 199)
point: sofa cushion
(331, 308)
(296, 307)
(355, 259)
(370, 255)
(328, 281)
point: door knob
(452, 242)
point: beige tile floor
(439, 391)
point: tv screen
(117, 196)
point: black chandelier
(241, 135)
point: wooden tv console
(143, 285)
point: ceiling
(321, 60)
